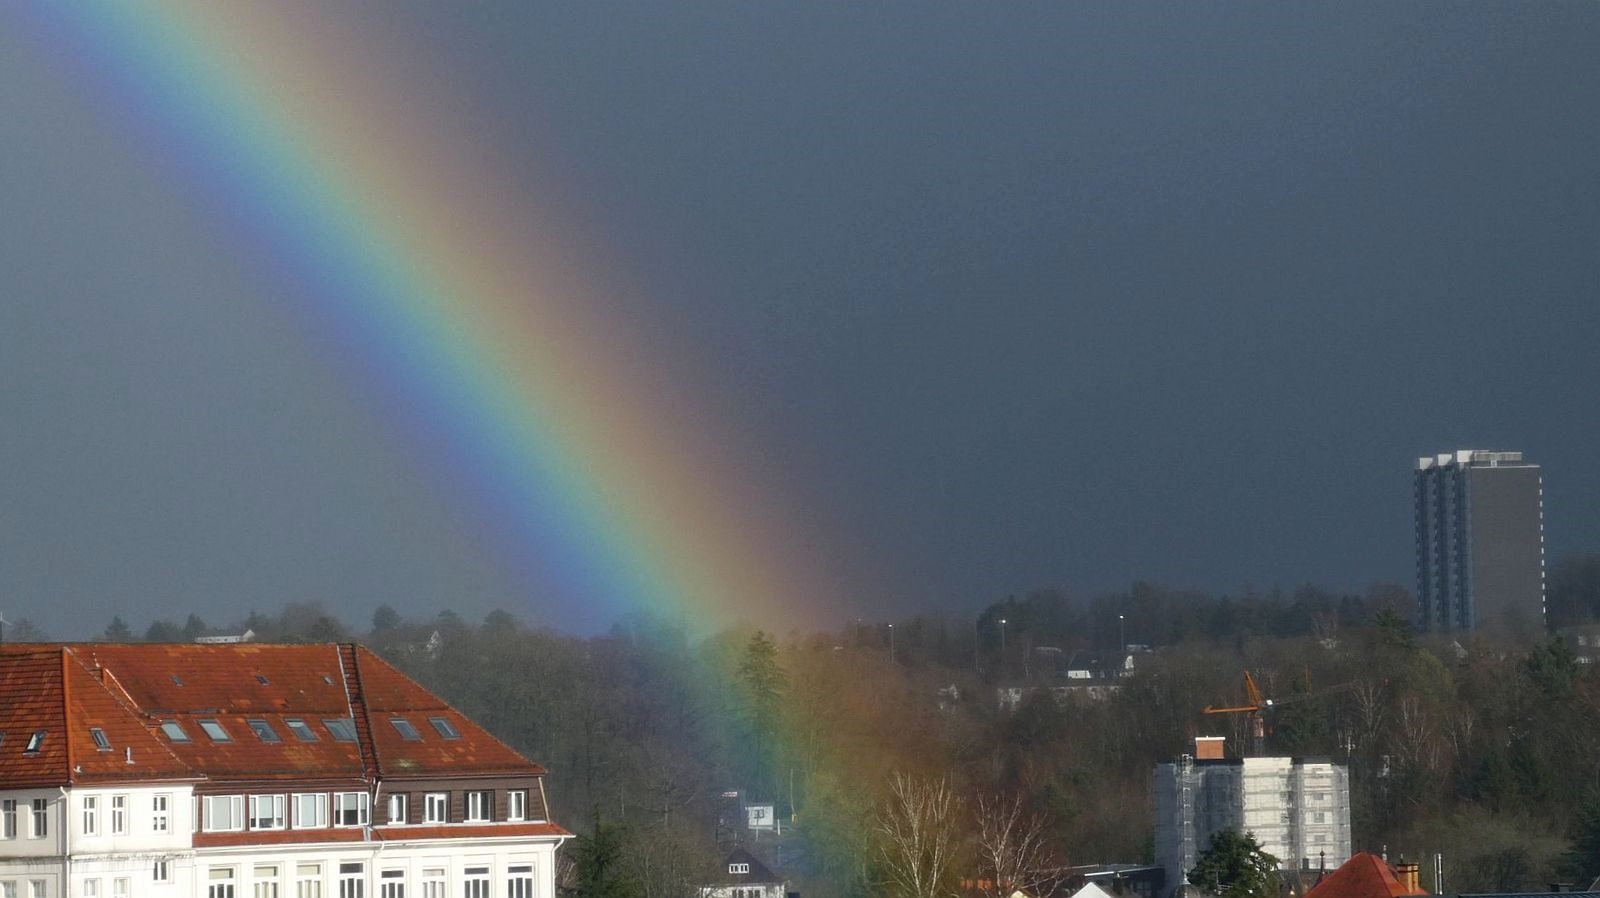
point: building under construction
(1298, 809)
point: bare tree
(1012, 848)
(916, 832)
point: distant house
(1368, 876)
(743, 875)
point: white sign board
(760, 816)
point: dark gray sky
(1012, 295)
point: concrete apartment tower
(1480, 542)
(1298, 809)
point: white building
(1297, 809)
(745, 877)
(270, 771)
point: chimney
(1410, 876)
(1208, 748)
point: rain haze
(989, 298)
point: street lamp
(1122, 631)
(891, 643)
(1002, 636)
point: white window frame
(433, 882)
(91, 888)
(392, 884)
(119, 815)
(436, 807)
(307, 880)
(120, 887)
(161, 871)
(318, 802)
(234, 804)
(277, 808)
(519, 880)
(223, 885)
(8, 890)
(39, 819)
(361, 806)
(264, 880)
(477, 806)
(352, 878)
(516, 805)
(91, 817)
(475, 882)
(398, 801)
(8, 818)
(161, 812)
(738, 869)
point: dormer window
(263, 730)
(738, 869)
(174, 731)
(444, 727)
(35, 743)
(406, 730)
(215, 731)
(342, 728)
(100, 741)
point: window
(433, 882)
(161, 872)
(215, 731)
(310, 810)
(517, 804)
(223, 813)
(174, 731)
(160, 808)
(308, 881)
(35, 743)
(41, 819)
(91, 888)
(436, 808)
(8, 890)
(519, 881)
(36, 888)
(8, 818)
(738, 868)
(119, 887)
(119, 815)
(397, 809)
(101, 743)
(405, 729)
(475, 882)
(91, 815)
(265, 878)
(352, 879)
(392, 884)
(343, 729)
(266, 811)
(1319, 817)
(444, 727)
(263, 730)
(261, 678)
(300, 729)
(219, 883)
(350, 809)
(480, 807)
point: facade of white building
(1297, 809)
(226, 771)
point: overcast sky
(1015, 295)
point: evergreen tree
(764, 684)
(597, 864)
(1235, 866)
(117, 631)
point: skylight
(445, 727)
(177, 679)
(215, 731)
(342, 728)
(300, 730)
(174, 731)
(262, 679)
(35, 743)
(100, 740)
(263, 730)
(407, 731)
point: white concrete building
(225, 771)
(1297, 809)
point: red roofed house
(267, 771)
(1368, 876)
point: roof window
(342, 728)
(327, 679)
(300, 729)
(100, 740)
(262, 679)
(177, 679)
(445, 727)
(174, 731)
(35, 743)
(215, 731)
(263, 730)
(407, 731)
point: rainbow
(426, 268)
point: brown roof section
(1363, 876)
(41, 689)
(130, 690)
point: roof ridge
(366, 741)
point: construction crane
(1252, 710)
(1256, 706)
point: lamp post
(891, 643)
(1122, 631)
(1002, 638)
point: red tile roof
(130, 690)
(1363, 876)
